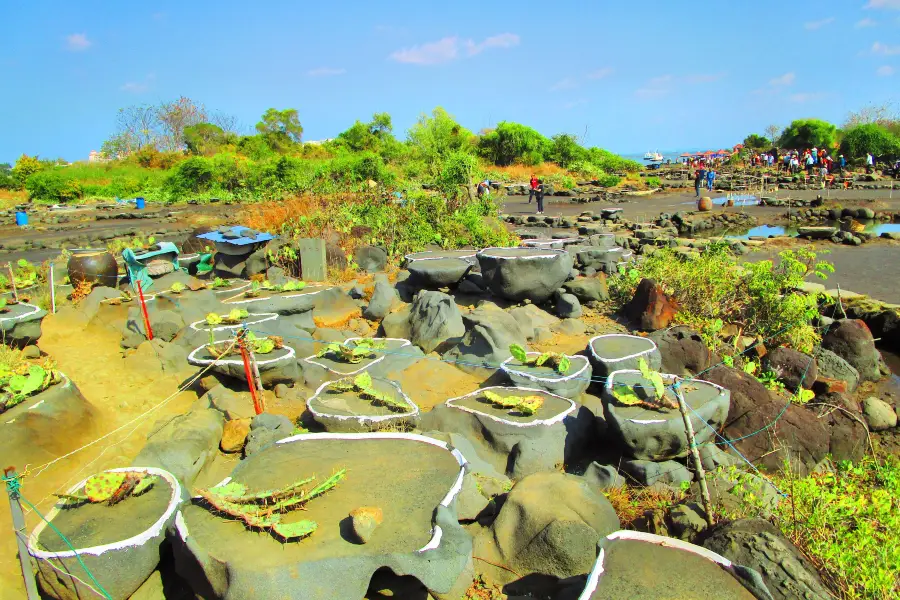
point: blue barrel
(21, 218)
(139, 203)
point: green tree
(565, 150)
(281, 127)
(203, 138)
(457, 169)
(372, 136)
(756, 142)
(25, 167)
(870, 138)
(513, 142)
(434, 137)
(809, 133)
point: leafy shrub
(870, 138)
(194, 175)
(612, 163)
(712, 290)
(457, 169)
(513, 142)
(846, 520)
(652, 182)
(358, 168)
(566, 151)
(53, 186)
(24, 168)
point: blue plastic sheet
(239, 238)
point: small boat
(653, 157)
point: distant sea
(673, 155)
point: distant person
(842, 162)
(810, 163)
(539, 190)
(533, 183)
(697, 181)
(484, 188)
(710, 179)
(870, 162)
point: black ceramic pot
(94, 266)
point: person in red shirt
(533, 191)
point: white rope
(181, 389)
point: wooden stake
(695, 454)
(52, 291)
(12, 282)
(18, 519)
(248, 372)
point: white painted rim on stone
(542, 242)
(309, 359)
(621, 358)
(199, 362)
(537, 422)
(436, 533)
(409, 258)
(231, 289)
(666, 377)
(277, 297)
(597, 571)
(555, 253)
(137, 540)
(263, 318)
(361, 419)
(36, 310)
(510, 369)
(64, 382)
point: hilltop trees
(281, 128)
(434, 137)
(809, 133)
(513, 142)
(756, 142)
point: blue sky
(659, 75)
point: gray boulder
(551, 523)
(648, 472)
(759, 545)
(832, 366)
(568, 306)
(265, 430)
(438, 273)
(851, 340)
(183, 445)
(370, 258)
(489, 333)
(434, 320)
(524, 273)
(879, 414)
(588, 289)
(21, 326)
(384, 297)
(603, 477)
(531, 317)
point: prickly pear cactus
(102, 487)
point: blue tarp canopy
(237, 235)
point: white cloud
(804, 97)
(786, 79)
(651, 92)
(867, 22)
(814, 25)
(601, 73)
(884, 49)
(138, 87)
(78, 42)
(888, 4)
(885, 71)
(503, 40)
(449, 48)
(325, 72)
(663, 85)
(566, 83)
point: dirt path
(91, 358)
